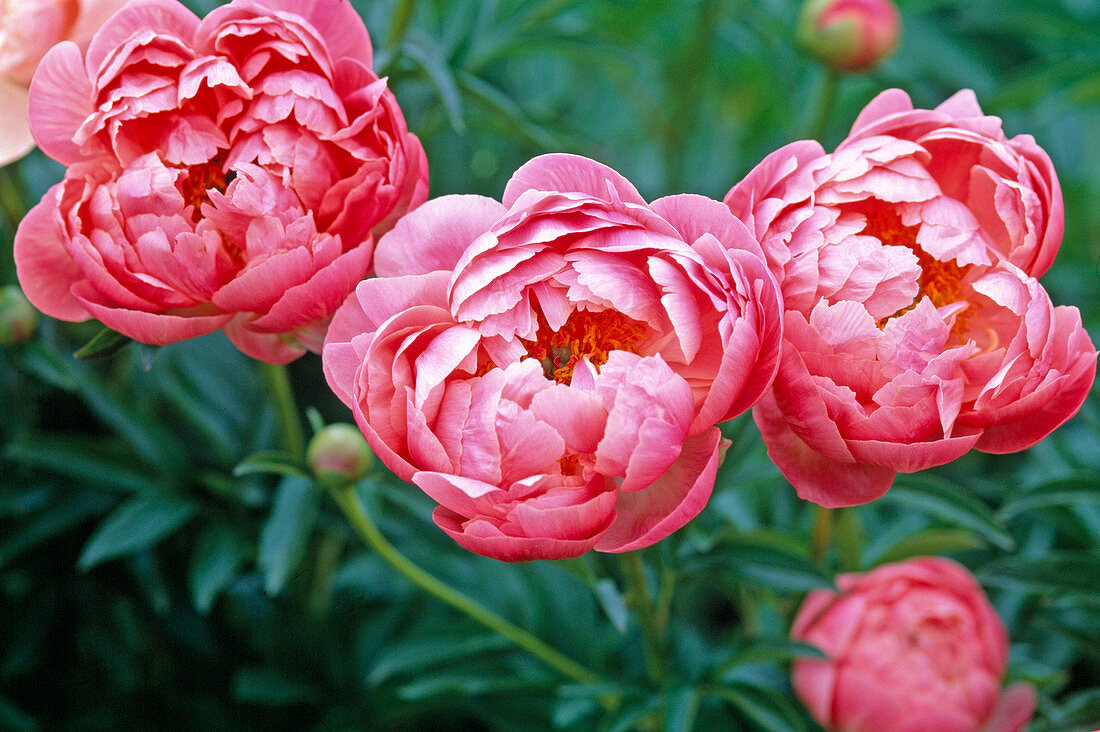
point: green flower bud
(338, 453)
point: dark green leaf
(951, 503)
(218, 555)
(681, 706)
(269, 686)
(287, 530)
(1081, 490)
(427, 55)
(278, 462)
(54, 520)
(103, 344)
(420, 653)
(1056, 573)
(762, 558)
(930, 541)
(137, 524)
(771, 711)
(770, 650)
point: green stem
(278, 387)
(348, 499)
(823, 531)
(638, 593)
(402, 16)
(825, 99)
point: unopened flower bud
(18, 318)
(849, 35)
(339, 453)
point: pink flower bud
(18, 318)
(849, 35)
(912, 646)
(339, 452)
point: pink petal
(573, 173)
(45, 269)
(1014, 709)
(60, 101)
(676, 497)
(434, 236)
(15, 131)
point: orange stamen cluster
(940, 281)
(584, 333)
(200, 178)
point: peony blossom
(230, 172)
(913, 646)
(915, 329)
(550, 369)
(849, 35)
(28, 28)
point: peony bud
(18, 318)
(849, 35)
(912, 647)
(339, 453)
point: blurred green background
(144, 586)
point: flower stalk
(349, 502)
(640, 602)
(277, 382)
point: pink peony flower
(915, 328)
(849, 35)
(551, 369)
(28, 28)
(913, 646)
(225, 173)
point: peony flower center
(200, 178)
(584, 333)
(939, 281)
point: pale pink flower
(28, 29)
(912, 646)
(551, 369)
(225, 173)
(915, 328)
(849, 35)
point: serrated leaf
(420, 653)
(951, 503)
(279, 462)
(104, 344)
(771, 711)
(137, 524)
(218, 555)
(930, 541)
(287, 530)
(1056, 573)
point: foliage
(163, 566)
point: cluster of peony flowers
(915, 328)
(913, 646)
(28, 29)
(230, 172)
(551, 368)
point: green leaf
(279, 462)
(770, 650)
(613, 604)
(948, 502)
(417, 654)
(104, 344)
(86, 461)
(930, 541)
(269, 686)
(15, 719)
(681, 707)
(137, 524)
(762, 558)
(218, 555)
(771, 711)
(1058, 573)
(1080, 490)
(54, 520)
(420, 49)
(286, 533)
